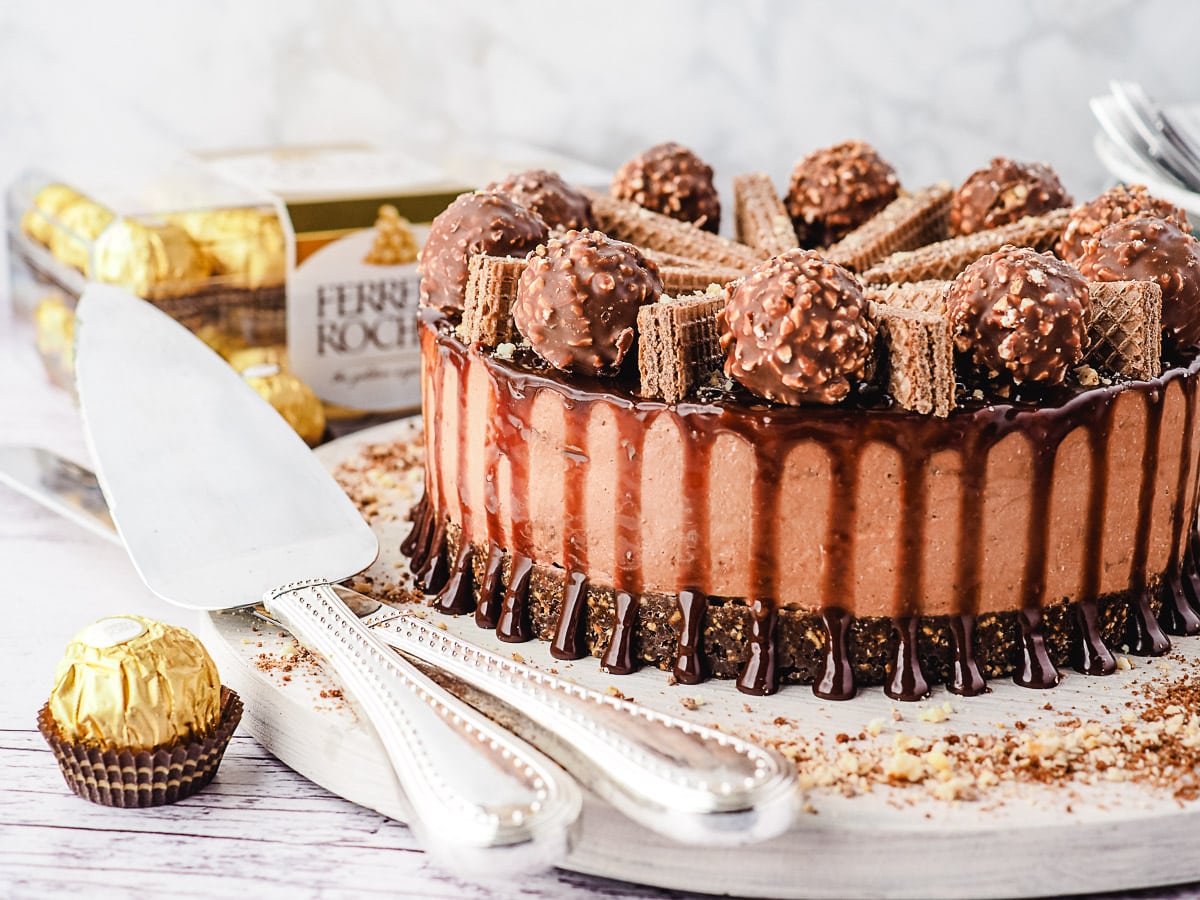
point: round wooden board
(1026, 840)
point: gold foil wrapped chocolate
(40, 220)
(66, 222)
(291, 397)
(130, 682)
(244, 358)
(153, 261)
(54, 334)
(246, 246)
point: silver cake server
(691, 783)
(220, 504)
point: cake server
(220, 504)
(691, 783)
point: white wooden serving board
(892, 842)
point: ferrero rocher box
(312, 247)
(208, 252)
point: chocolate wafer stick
(945, 259)
(760, 219)
(924, 296)
(679, 344)
(680, 280)
(1125, 328)
(906, 223)
(626, 221)
(920, 356)
(488, 299)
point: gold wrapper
(54, 333)
(292, 399)
(153, 261)
(245, 245)
(79, 224)
(244, 358)
(39, 221)
(221, 341)
(131, 683)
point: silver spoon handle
(482, 799)
(695, 784)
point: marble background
(939, 85)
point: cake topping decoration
(796, 330)
(836, 189)
(1021, 312)
(759, 217)
(131, 682)
(478, 222)
(672, 180)
(1003, 192)
(546, 194)
(487, 305)
(1151, 249)
(578, 299)
(1117, 203)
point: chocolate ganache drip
(493, 514)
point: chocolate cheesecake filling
(847, 545)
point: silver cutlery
(216, 498)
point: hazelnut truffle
(1005, 191)
(836, 189)
(1151, 249)
(1021, 312)
(1117, 203)
(559, 204)
(480, 222)
(796, 329)
(672, 180)
(578, 300)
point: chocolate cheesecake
(846, 484)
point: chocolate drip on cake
(513, 626)
(965, 678)
(760, 675)
(968, 635)
(491, 594)
(906, 681)
(458, 596)
(1146, 637)
(835, 678)
(1036, 668)
(568, 634)
(689, 665)
(620, 657)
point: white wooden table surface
(259, 830)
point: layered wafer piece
(488, 299)
(919, 351)
(946, 259)
(626, 221)
(910, 221)
(679, 344)
(680, 280)
(1125, 328)
(760, 219)
(922, 296)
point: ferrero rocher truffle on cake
(886, 438)
(137, 716)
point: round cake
(1041, 517)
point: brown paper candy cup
(153, 777)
